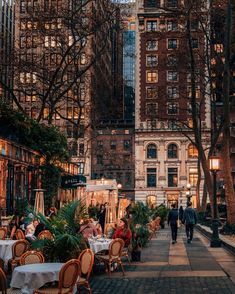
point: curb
(206, 231)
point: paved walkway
(179, 268)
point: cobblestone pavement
(166, 268)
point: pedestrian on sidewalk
(190, 220)
(181, 213)
(172, 221)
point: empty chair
(68, 277)
(18, 249)
(30, 257)
(3, 233)
(3, 285)
(114, 255)
(19, 234)
(86, 259)
(45, 234)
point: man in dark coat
(189, 219)
(172, 221)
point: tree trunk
(204, 198)
(198, 204)
(229, 191)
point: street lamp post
(214, 165)
(188, 193)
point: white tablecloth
(33, 276)
(99, 244)
(6, 250)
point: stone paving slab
(164, 285)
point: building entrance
(171, 199)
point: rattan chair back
(45, 234)
(86, 259)
(108, 228)
(3, 233)
(115, 248)
(30, 257)
(3, 282)
(19, 248)
(69, 274)
(19, 234)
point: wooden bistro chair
(114, 255)
(18, 249)
(68, 276)
(19, 234)
(86, 259)
(3, 233)
(3, 285)
(45, 234)
(30, 257)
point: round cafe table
(97, 245)
(33, 276)
(6, 250)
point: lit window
(193, 176)
(69, 113)
(172, 177)
(219, 48)
(151, 201)
(152, 76)
(197, 91)
(192, 151)
(45, 113)
(75, 113)
(57, 114)
(83, 58)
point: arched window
(151, 201)
(192, 151)
(151, 151)
(172, 151)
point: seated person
(88, 229)
(99, 229)
(30, 229)
(123, 232)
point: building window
(151, 124)
(172, 151)
(172, 60)
(100, 144)
(127, 179)
(22, 6)
(172, 3)
(81, 149)
(69, 113)
(81, 168)
(151, 45)
(151, 3)
(151, 60)
(193, 176)
(151, 109)
(189, 90)
(151, 201)
(172, 92)
(126, 144)
(151, 92)
(45, 113)
(192, 151)
(172, 177)
(172, 76)
(172, 108)
(151, 151)
(100, 159)
(113, 144)
(151, 177)
(151, 25)
(172, 44)
(195, 43)
(172, 25)
(219, 48)
(151, 76)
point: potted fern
(67, 242)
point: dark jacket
(190, 216)
(172, 216)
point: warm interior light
(214, 163)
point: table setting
(6, 250)
(99, 243)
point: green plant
(140, 213)
(93, 211)
(140, 237)
(68, 242)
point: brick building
(165, 159)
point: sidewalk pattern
(167, 268)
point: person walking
(172, 221)
(189, 219)
(181, 213)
